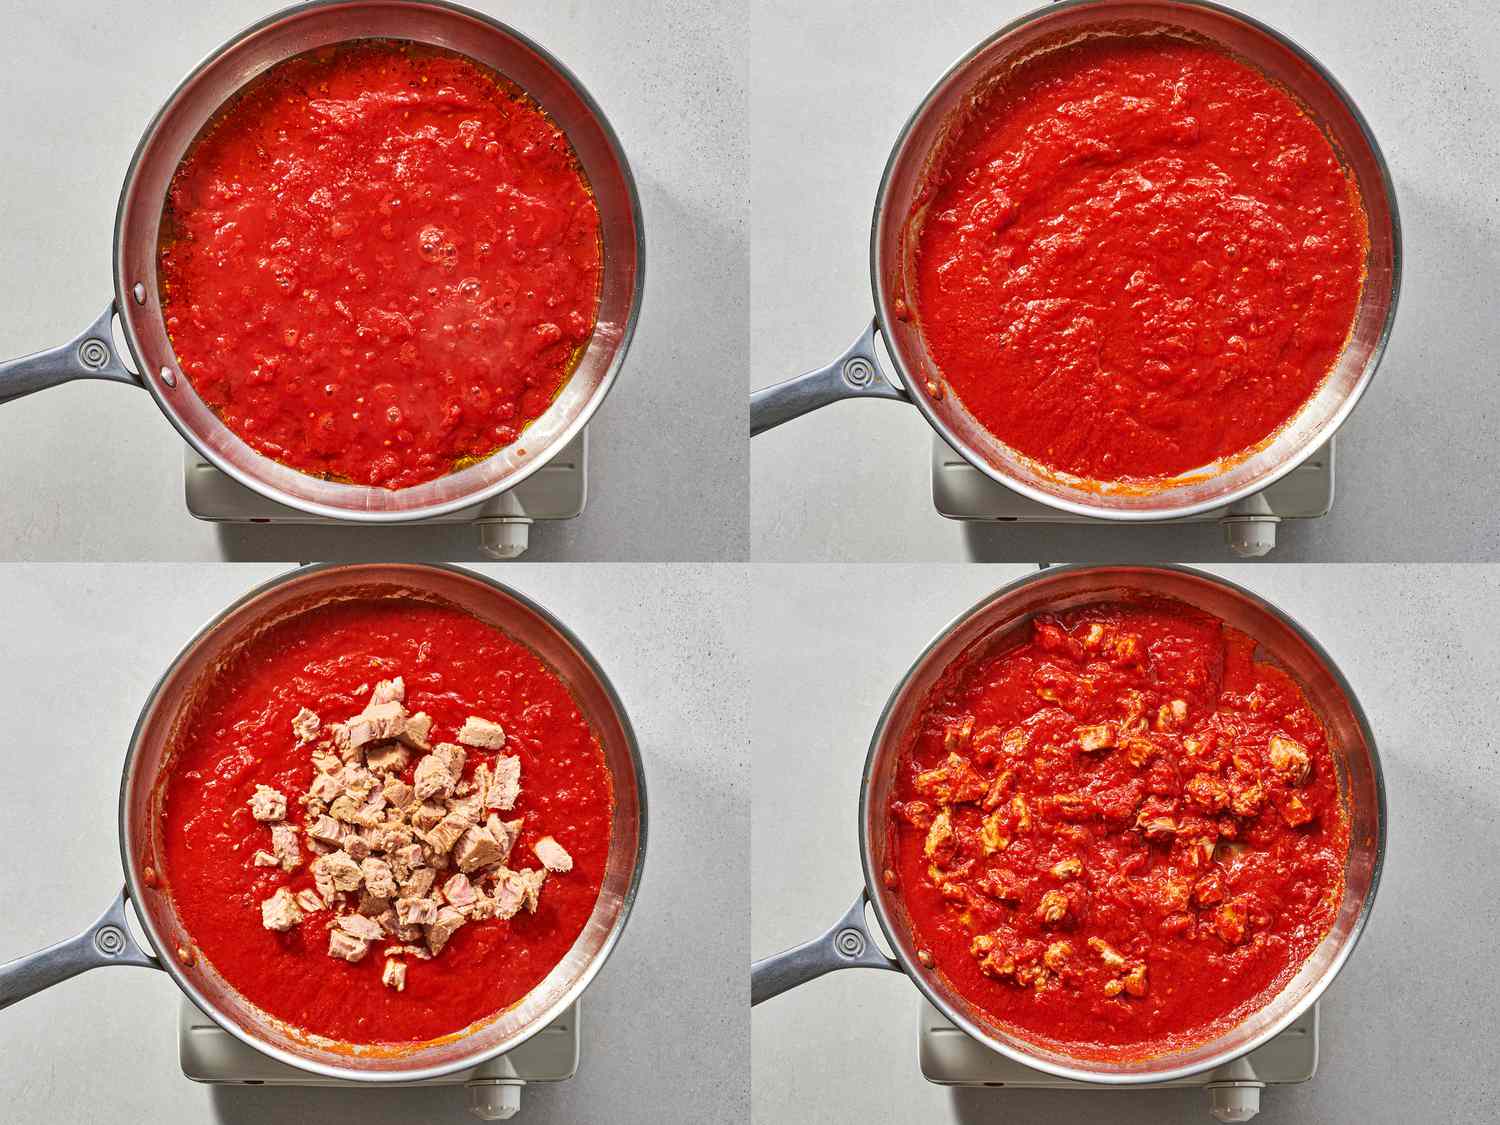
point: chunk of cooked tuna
(483, 733)
(1295, 811)
(394, 974)
(342, 869)
(1053, 908)
(432, 778)
(1289, 758)
(459, 891)
(453, 756)
(553, 855)
(398, 794)
(346, 946)
(268, 804)
(476, 848)
(1208, 792)
(418, 728)
(265, 859)
(940, 842)
(378, 878)
(1140, 750)
(1100, 736)
(447, 832)
(371, 813)
(1056, 957)
(419, 882)
(366, 929)
(354, 845)
(510, 894)
(469, 806)
(323, 881)
(387, 757)
(340, 738)
(379, 722)
(418, 951)
(309, 901)
(1107, 953)
(442, 928)
(387, 690)
(327, 829)
(1248, 801)
(1229, 922)
(1132, 983)
(1171, 715)
(532, 879)
(415, 911)
(1068, 868)
(326, 787)
(427, 815)
(505, 785)
(482, 908)
(285, 847)
(280, 912)
(305, 725)
(405, 859)
(505, 833)
(956, 781)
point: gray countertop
(832, 82)
(92, 471)
(1407, 1029)
(664, 1023)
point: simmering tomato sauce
(238, 735)
(380, 262)
(1136, 257)
(1121, 834)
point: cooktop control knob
(1250, 537)
(495, 1099)
(1231, 1102)
(505, 538)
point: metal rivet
(168, 376)
(850, 942)
(93, 354)
(110, 941)
(859, 372)
(139, 292)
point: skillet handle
(89, 355)
(106, 942)
(855, 374)
(847, 945)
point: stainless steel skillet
(94, 354)
(862, 372)
(110, 940)
(851, 943)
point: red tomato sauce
(1139, 896)
(239, 735)
(379, 262)
(1138, 256)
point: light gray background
(92, 471)
(1407, 1029)
(832, 82)
(664, 1023)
